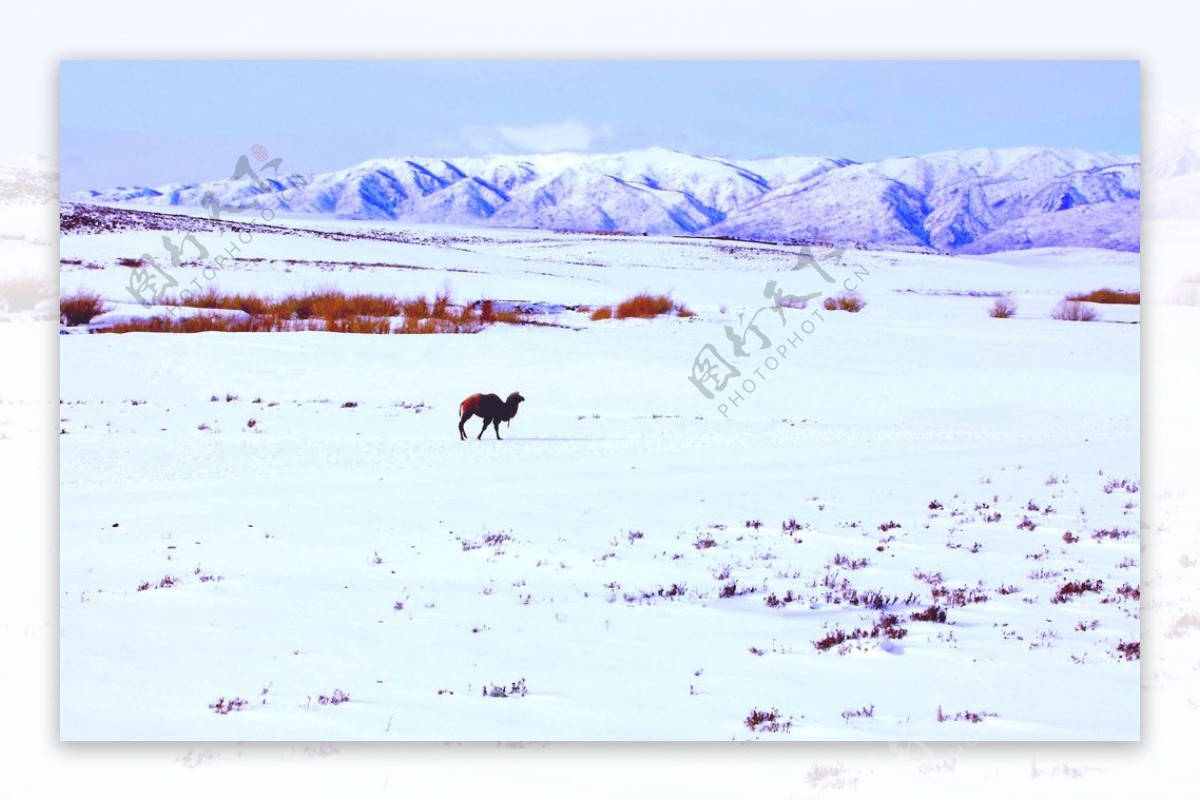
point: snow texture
(247, 556)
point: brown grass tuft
(415, 308)
(845, 301)
(326, 310)
(79, 308)
(644, 305)
(1107, 295)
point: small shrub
(441, 304)
(415, 308)
(1003, 308)
(516, 689)
(1072, 588)
(966, 715)
(644, 305)
(1130, 650)
(933, 614)
(223, 707)
(337, 697)
(1111, 534)
(496, 539)
(866, 712)
(602, 313)
(774, 601)
(1075, 311)
(732, 590)
(79, 308)
(163, 583)
(845, 301)
(958, 596)
(1129, 593)
(841, 560)
(1114, 484)
(767, 721)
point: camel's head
(513, 403)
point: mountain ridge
(971, 200)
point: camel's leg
(462, 434)
(486, 422)
(496, 425)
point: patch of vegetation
(845, 301)
(1106, 295)
(1003, 308)
(1072, 588)
(1074, 311)
(767, 721)
(80, 307)
(516, 689)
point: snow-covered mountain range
(959, 201)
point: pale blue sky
(150, 123)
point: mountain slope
(976, 200)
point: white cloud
(552, 137)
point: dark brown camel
(491, 409)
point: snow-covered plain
(632, 561)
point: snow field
(366, 549)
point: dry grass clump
(80, 307)
(325, 310)
(199, 323)
(845, 301)
(1107, 295)
(1003, 308)
(768, 720)
(1074, 310)
(644, 306)
(327, 304)
(433, 325)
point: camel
(491, 409)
